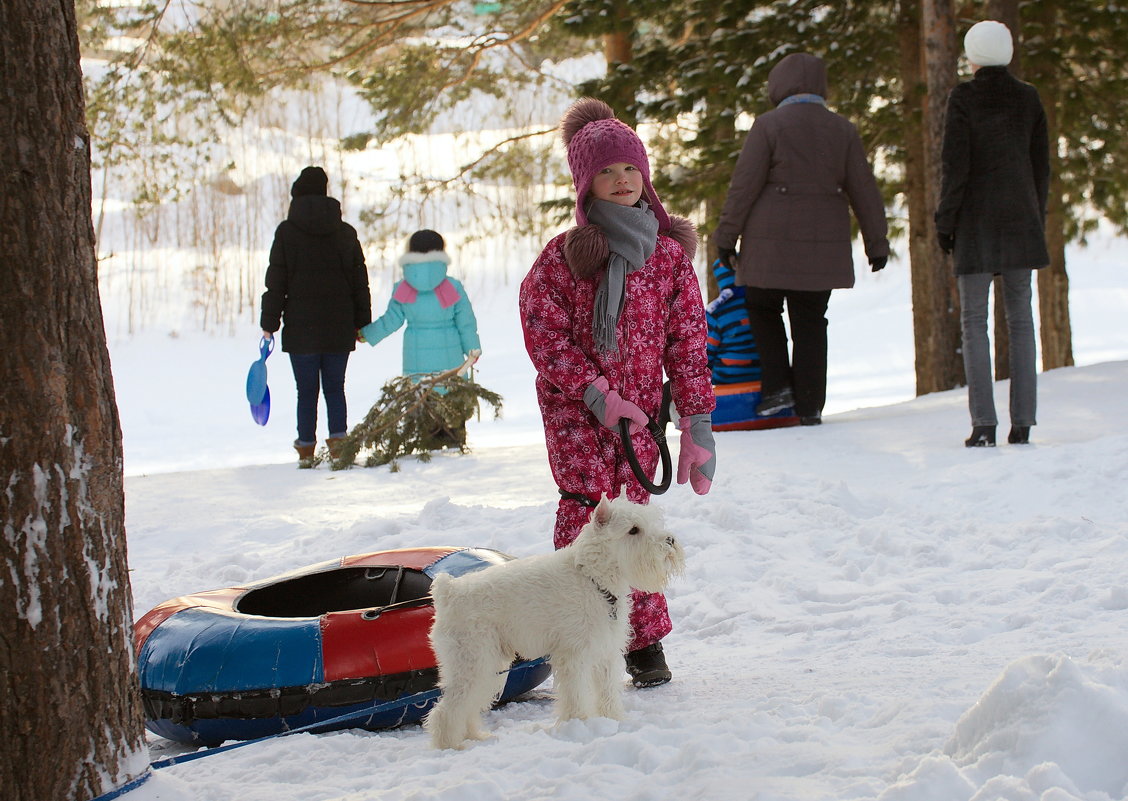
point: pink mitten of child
(609, 406)
(698, 458)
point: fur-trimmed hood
(425, 271)
(585, 247)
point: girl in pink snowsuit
(606, 308)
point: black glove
(947, 241)
(727, 257)
(878, 263)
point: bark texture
(68, 703)
(928, 67)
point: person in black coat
(991, 218)
(317, 289)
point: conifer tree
(69, 704)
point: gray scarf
(632, 235)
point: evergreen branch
(415, 415)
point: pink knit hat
(595, 139)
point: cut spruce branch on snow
(415, 416)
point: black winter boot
(1019, 435)
(981, 437)
(647, 666)
(775, 403)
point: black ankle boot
(981, 437)
(647, 666)
(775, 402)
(1019, 435)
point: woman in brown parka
(801, 169)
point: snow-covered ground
(871, 611)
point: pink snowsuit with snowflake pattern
(662, 327)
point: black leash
(659, 435)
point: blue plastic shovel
(258, 393)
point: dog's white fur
(571, 604)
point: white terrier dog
(572, 604)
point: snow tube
(310, 645)
(736, 409)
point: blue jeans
(977, 348)
(328, 371)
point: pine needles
(414, 415)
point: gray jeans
(974, 290)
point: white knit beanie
(989, 44)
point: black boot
(981, 437)
(775, 403)
(647, 666)
(1019, 435)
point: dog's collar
(611, 599)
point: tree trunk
(928, 67)
(1053, 281)
(618, 50)
(69, 708)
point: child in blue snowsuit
(442, 331)
(732, 350)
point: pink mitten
(609, 407)
(698, 458)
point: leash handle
(663, 450)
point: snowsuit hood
(316, 215)
(797, 74)
(441, 326)
(726, 276)
(425, 271)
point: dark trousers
(805, 372)
(315, 373)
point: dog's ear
(602, 511)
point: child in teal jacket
(442, 331)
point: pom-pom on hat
(594, 139)
(311, 181)
(989, 44)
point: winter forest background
(442, 114)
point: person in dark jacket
(317, 290)
(801, 170)
(991, 218)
